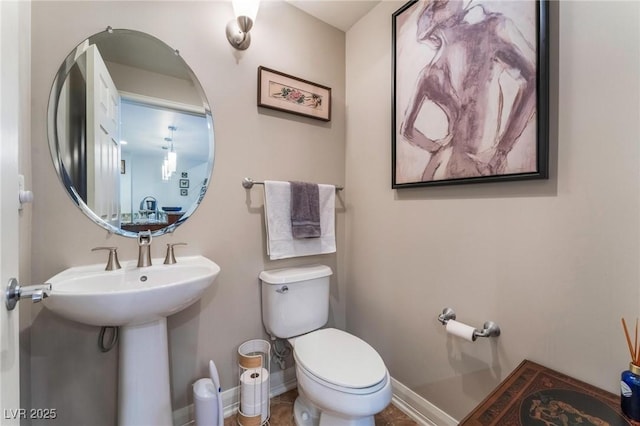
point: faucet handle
(112, 262)
(170, 258)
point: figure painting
(468, 93)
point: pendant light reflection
(170, 163)
(172, 160)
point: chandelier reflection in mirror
(169, 165)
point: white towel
(277, 213)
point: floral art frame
(470, 92)
(283, 92)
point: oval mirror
(131, 133)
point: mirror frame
(54, 143)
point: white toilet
(342, 381)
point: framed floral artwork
(470, 92)
(283, 92)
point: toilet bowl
(342, 381)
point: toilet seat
(345, 390)
(340, 361)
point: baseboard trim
(418, 408)
(413, 405)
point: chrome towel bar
(248, 183)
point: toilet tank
(295, 301)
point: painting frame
(284, 92)
(456, 155)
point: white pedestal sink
(138, 300)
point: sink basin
(138, 300)
(131, 295)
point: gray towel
(305, 210)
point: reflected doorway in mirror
(153, 83)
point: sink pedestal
(144, 396)
(138, 300)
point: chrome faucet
(144, 248)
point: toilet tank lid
(295, 274)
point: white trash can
(205, 401)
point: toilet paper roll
(254, 392)
(261, 410)
(461, 330)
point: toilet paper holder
(489, 329)
(254, 360)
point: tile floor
(282, 413)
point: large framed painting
(470, 92)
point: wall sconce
(238, 29)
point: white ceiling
(341, 14)
(145, 128)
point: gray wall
(554, 263)
(67, 370)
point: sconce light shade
(248, 8)
(238, 29)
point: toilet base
(306, 414)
